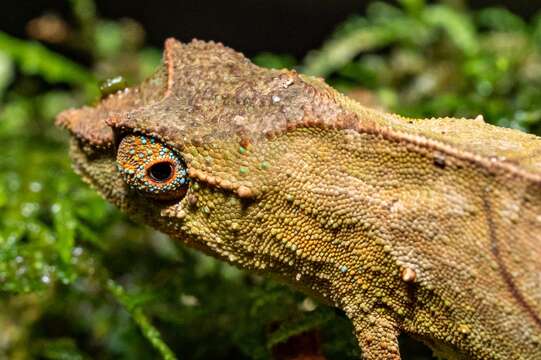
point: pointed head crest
(205, 90)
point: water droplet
(77, 251)
(55, 208)
(308, 305)
(28, 209)
(36, 186)
(189, 300)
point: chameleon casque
(425, 226)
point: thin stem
(148, 330)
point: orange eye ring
(151, 167)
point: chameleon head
(199, 152)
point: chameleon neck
(378, 227)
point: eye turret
(151, 167)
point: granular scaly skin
(428, 227)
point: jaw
(178, 219)
(204, 218)
(97, 167)
(209, 219)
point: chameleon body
(429, 227)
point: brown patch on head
(89, 124)
(212, 98)
(86, 124)
(214, 92)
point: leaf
(385, 25)
(413, 7)
(274, 61)
(35, 59)
(458, 26)
(146, 327)
(500, 19)
(337, 52)
(64, 224)
(59, 349)
(108, 37)
(6, 71)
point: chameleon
(429, 227)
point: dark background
(251, 26)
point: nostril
(161, 171)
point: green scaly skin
(428, 227)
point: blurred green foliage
(437, 60)
(78, 280)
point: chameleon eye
(161, 171)
(151, 167)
